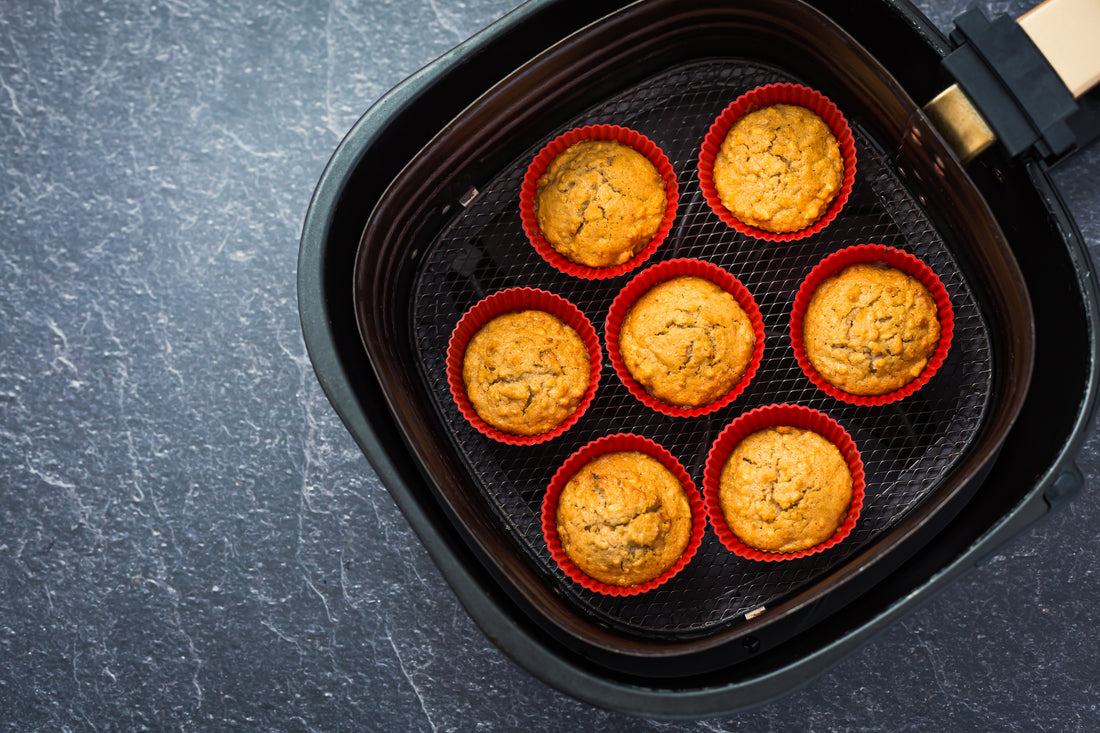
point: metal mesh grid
(907, 447)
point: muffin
(600, 202)
(870, 329)
(779, 168)
(525, 372)
(686, 341)
(623, 518)
(785, 489)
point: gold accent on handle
(961, 125)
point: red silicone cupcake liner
(659, 273)
(509, 301)
(594, 449)
(760, 419)
(893, 257)
(765, 96)
(538, 166)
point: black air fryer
(416, 219)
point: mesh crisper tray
(908, 447)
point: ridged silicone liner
(773, 416)
(539, 165)
(655, 275)
(893, 257)
(766, 96)
(509, 301)
(590, 451)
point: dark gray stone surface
(188, 536)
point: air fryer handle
(1025, 83)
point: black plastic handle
(1017, 90)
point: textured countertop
(188, 536)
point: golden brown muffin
(600, 202)
(785, 489)
(526, 372)
(623, 518)
(779, 168)
(686, 341)
(870, 329)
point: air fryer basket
(907, 448)
(921, 452)
(513, 602)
